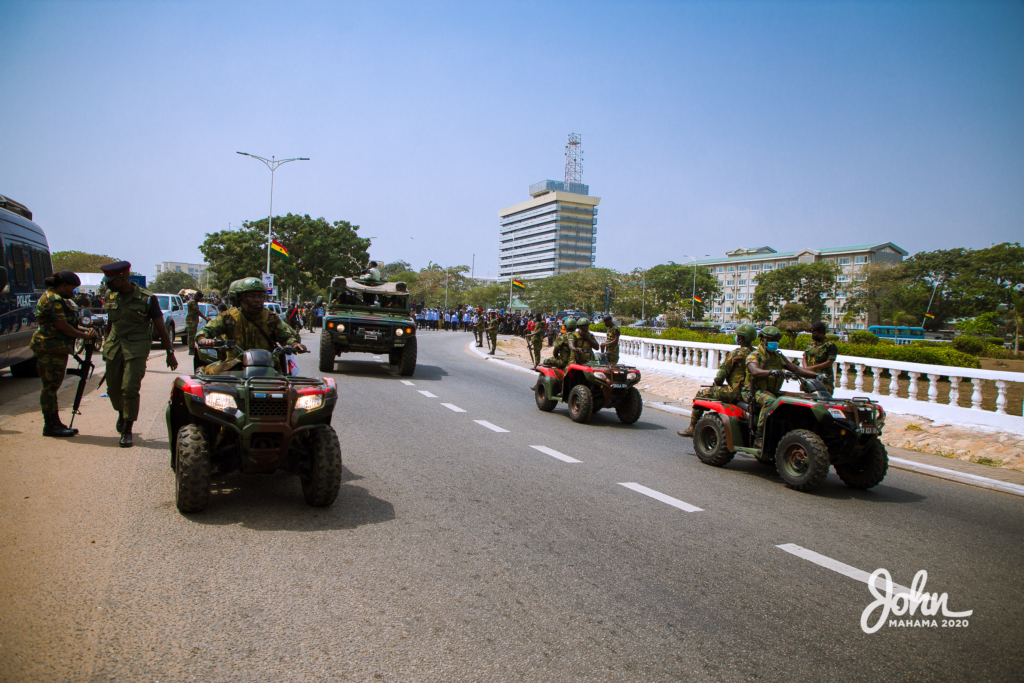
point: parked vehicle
(174, 312)
(274, 307)
(589, 388)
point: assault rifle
(85, 364)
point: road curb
(472, 347)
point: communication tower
(573, 160)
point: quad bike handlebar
(230, 345)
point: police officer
(57, 317)
(192, 316)
(130, 312)
(820, 355)
(766, 371)
(610, 345)
(249, 324)
(731, 377)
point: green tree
(172, 282)
(389, 270)
(80, 261)
(808, 284)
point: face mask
(773, 346)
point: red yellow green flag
(279, 249)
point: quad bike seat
(743, 406)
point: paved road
(459, 550)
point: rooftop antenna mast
(573, 160)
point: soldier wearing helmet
(581, 342)
(731, 377)
(766, 371)
(562, 354)
(247, 323)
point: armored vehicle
(804, 435)
(589, 388)
(255, 420)
(369, 319)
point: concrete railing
(702, 360)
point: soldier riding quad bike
(369, 318)
(253, 419)
(804, 434)
(589, 388)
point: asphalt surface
(457, 552)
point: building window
(730, 283)
(793, 263)
(755, 267)
(728, 309)
(719, 269)
(843, 278)
(767, 266)
(743, 267)
(741, 296)
(861, 259)
(718, 309)
(731, 269)
(728, 296)
(743, 282)
(844, 261)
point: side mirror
(3, 279)
(319, 301)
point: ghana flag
(279, 249)
(929, 315)
(518, 284)
(698, 299)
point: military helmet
(583, 322)
(570, 324)
(246, 284)
(747, 332)
(771, 333)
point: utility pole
(693, 297)
(272, 164)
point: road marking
(453, 408)
(427, 394)
(674, 502)
(838, 567)
(554, 454)
(408, 383)
(492, 427)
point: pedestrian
(131, 310)
(53, 342)
(192, 316)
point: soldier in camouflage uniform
(610, 345)
(582, 342)
(249, 324)
(562, 353)
(731, 377)
(492, 333)
(820, 356)
(192, 316)
(540, 329)
(481, 325)
(57, 316)
(766, 371)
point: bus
(900, 335)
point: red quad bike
(804, 434)
(589, 388)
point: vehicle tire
(26, 368)
(322, 481)
(871, 469)
(631, 407)
(407, 366)
(192, 474)
(709, 441)
(327, 355)
(540, 394)
(581, 403)
(802, 460)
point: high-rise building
(552, 233)
(196, 270)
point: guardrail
(702, 359)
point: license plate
(619, 386)
(868, 430)
(370, 335)
(836, 413)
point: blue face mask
(773, 346)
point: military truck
(368, 318)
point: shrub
(926, 343)
(598, 327)
(863, 337)
(998, 341)
(911, 354)
(1001, 354)
(971, 345)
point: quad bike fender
(549, 382)
(549, 371)
(730, 416)
(723, 409)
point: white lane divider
(554, 454)
(453, 408)
(492, 427)
(674, 502)
(427, 394)
(408, 383)
(839, 567)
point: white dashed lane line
(408, 383)
(492, 427)
(427, 394)
(453, 408)
(554, 454)
(838, 567)
(674, 502)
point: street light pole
(693, 301)
(272, 164)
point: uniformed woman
(53, 342)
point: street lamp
(272, 164)
(693, 296)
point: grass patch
(913, 427)
(982, 460)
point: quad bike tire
(407, 365)
(870, 471)
(321, 482)
(540, 394)
(192, 471)
(581, 403)
(631, 407)
(327, 354)
(709, 441)
(802, 460)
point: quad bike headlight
(601, 376)
(309, 402)
(633, 376)
(219, 401)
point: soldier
(53, 342)
(192, 316)
(492, 333)
(562, 356)
(540, 329)
(370, 275)
(610, 345)
(82, 300)
(820, 355)
(731, 376)
(249, 324)
(765, 374)
(130, 312)
(581, 342)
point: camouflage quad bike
(253, 419)
(804, 434)
(589, 388)
(369, 319)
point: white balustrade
(912, 391)
(933, 388)
(1001, 398)
(976, 396)
(954, 391)
(876, 382)
(894, 384)
(859, 384)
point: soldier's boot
(688, 432)
(53, 427)
(126, 435)
(759, 438)
(61, 424)
(119, 425)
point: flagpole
(272, 164)
(929, 309)
(513, 273)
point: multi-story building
(737, 271)
(196, 270)
(552, 233)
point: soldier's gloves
(777, 373)
(822, 377)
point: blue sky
(706, 125)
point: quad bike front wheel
(709, 441)
(192, 469)
(540, 395)
(869, 471)
(321, 481)
(581, 403)
(802, 460)
(631, 406)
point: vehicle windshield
(165, 302)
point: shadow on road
(372, 369)
(607, 418)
